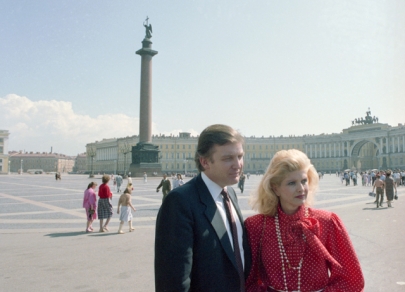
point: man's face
(164, 176)
(225, 164)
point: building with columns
(48, 162)
(4, 158)
(360, 147)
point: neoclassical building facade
(4, 157)
(360, 147)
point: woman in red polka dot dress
(295, 247)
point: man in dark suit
(165, 185)
(200, 242)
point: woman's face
(292, 191)
(94, 186)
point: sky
(69, 74)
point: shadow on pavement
(77, 233)
(375, 209)
(103, 234)
(65, 234)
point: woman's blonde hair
(264, 200)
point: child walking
(126, 206)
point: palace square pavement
(43, 246)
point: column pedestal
(145, 158)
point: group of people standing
(103, 209)
(385, 182)
(347, 176)
(202, 242)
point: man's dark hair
(214, 135)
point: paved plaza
(43, 246)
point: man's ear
(204, 162)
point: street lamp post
(125, 149)
(92, 153)
(21, 167)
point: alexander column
(145, 155)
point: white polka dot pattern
(329, 259)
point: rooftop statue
(148, 28)
(368, 119)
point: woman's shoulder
(321, 214)
(325, 216)
(254, 221)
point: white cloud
(40, 125)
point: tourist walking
(295, 247)
(390, 186)
(347, 178)
(378, 186)
(175, 181)
(90, 205)
(354, 178)
(105, 208)
(145, 178)
(165, 185)
(241, 183)
(118, 180)
(403, 177)
(180, 181)
(124, 203)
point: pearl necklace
(284, 258)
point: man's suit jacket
(165, 185)
(192, 247)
